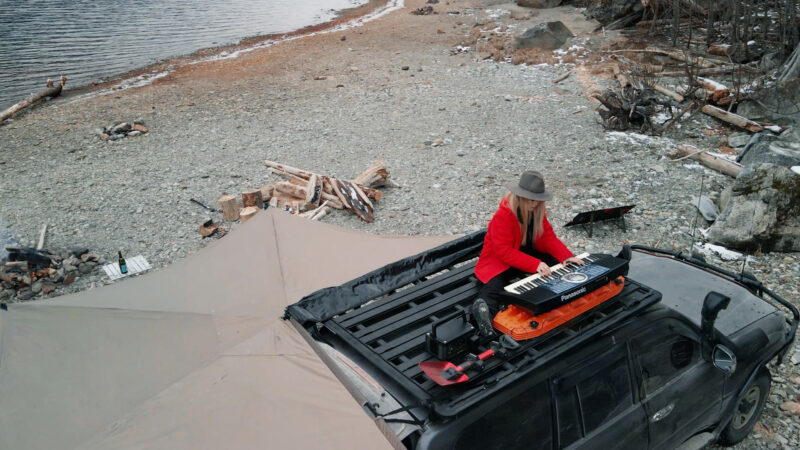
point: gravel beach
(451, 127)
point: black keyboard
(541, 294)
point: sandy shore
(392, 89)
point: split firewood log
(313, 191)
(253, 198)
(289, 169)
(351, 200)
(49, 91)
(333, 200)
(299, 192)
(321, 213)
(361, 194)
(374, 176)
(290, 176)
(229, 207)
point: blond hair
(525, 214)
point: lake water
(90, 39)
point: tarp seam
(278, 254)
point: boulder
(608, 13)
(738, 139)
(549, 35)
(783, 150)
(763, 212)
(539, 3)
(777, 104)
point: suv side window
(523, 422)
(592, 395)
(662, 358)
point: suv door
(595, 402)
(681, 392)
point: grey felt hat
(531, 186)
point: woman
(519, 241)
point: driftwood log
(49, 91)
(721, 165)
(229, 207)
(731, 118)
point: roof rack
(389, 334)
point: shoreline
(151, 73)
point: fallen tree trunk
(50, 91)
(710, 71)
(669, 93)
(731, 118)
(723, 166)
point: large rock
(777, 104)
(550, 35)
(539, 3)
(608, 12)
(763, 212)
(783, 150)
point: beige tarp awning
(193, 356)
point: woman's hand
(573, 260)
(543, 269)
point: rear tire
(748, 410)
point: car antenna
(696, 213)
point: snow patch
(724, 253)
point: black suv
(678, 359)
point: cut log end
(248, 213)
(229, 207)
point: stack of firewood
(311, 195)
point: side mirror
(724, 359)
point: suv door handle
(663, 412)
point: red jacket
(503, 240)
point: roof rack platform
(388, 333)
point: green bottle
(122, 266)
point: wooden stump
(248, 213)
(253, 198)
(229, 207)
